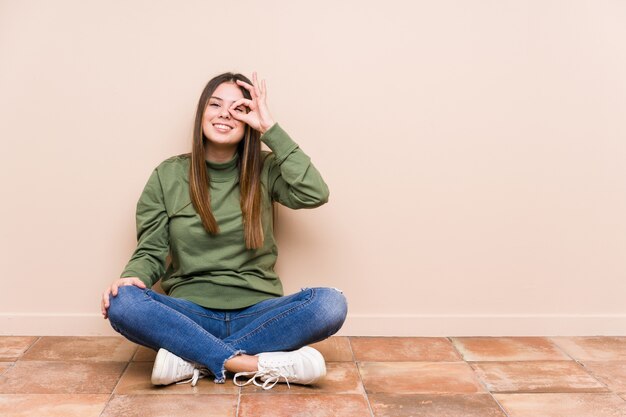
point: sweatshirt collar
(224, 171)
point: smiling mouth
(222, 127)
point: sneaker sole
(158, 370)
(317, 359)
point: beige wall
(475, 152)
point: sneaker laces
(197, 374)
(269, 377)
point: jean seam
(275, 318)
(219, 379)
(187, 318)
(183, 307)
(245, 315)
(219, 341)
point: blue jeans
(210, 337)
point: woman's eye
(240, 109)
(214, 105)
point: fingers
(104, 305)
(242, 117)
(248, 87)
(240, 114)
(124, 282)
(246, 117)
(257, 90)
(114, 287)
(242, 101)
(261, 88)
(255, 83)
(113, 290)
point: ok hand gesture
(258, 115)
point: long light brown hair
(250, 165)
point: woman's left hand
(258, 115)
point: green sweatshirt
(218, 271)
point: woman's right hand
(258, 115)
(112, 290)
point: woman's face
(219, 127)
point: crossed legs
(226, 340)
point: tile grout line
(120, 378)
(29, 348)
(582, 365)
(619, 394)
(116, 384)
(358, 369)
(349, 338)
(132, 357)
(559, 348)
(449, 338)
(7, 369)
(13, 363)
(500, 406)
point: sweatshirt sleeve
(293, 180)
(148, 261)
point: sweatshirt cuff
(279, 142)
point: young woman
(211, 212)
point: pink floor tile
(4, 366)
(419, 378)
(52, 405)
(539, 376)
(335, 349)
(66, 348)
(433, 405)
(57, 377)
(395, 349)
(304, 405)
(144, 354)
(612, 374)
(508, 349)
(12, 347)
(162, 405)
(597, 348)
(562, 405)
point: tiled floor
(381, 377)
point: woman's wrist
(264, 127)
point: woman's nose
(224, 112)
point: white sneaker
(169, 368)
(303, 366)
